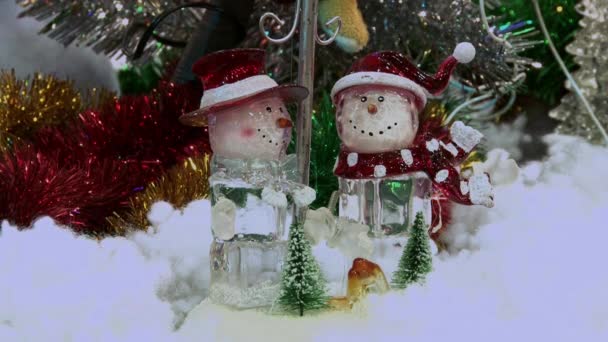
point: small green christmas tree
(416, 260)
(303, 285)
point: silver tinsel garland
(108, 25)
(425, 30)
(589, 50)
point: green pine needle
(416, 260)
(303, 285)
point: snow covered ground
(528, 269)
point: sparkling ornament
(253, 181)
(354, 35)
(390, 165)
(589, 51)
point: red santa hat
(393, 69)
(235, 77)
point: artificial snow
(528, 269)
(256, 296)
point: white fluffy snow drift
(530, 269)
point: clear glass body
(246, 274)
(388, 206)
(246, 265)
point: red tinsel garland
(83, 173)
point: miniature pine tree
(416, 260)
(303, 285)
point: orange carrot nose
(284, 123)
(372, 109)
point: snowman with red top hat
(253, 182)
(390, 164)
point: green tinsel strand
(325, 146)
(562, 21)
(325, 149)
(135, 80)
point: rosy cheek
(247, 132)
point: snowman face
(258, 129)
(372, 119)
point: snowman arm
(447, 181)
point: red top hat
(233, 77)
(393, 69)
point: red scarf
(432, 153)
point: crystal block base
(254, 217)
(387, 205)
(246, 274)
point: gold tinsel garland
(181, 185)
(26, 105)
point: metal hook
(335, 35)
(282, 22)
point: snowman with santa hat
(253, 182)
(391, 165)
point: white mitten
(304, 196)
(464, 136)
(223, 216)
(480, 190)
(320, 225)
(274, 198)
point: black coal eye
(381, 99)
(268, 109)
(363, 99)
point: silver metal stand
(307, 10)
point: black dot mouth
(270, 141)
(371, 134)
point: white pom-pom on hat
(464, 52)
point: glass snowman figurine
(391, 165)
(253, 182)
